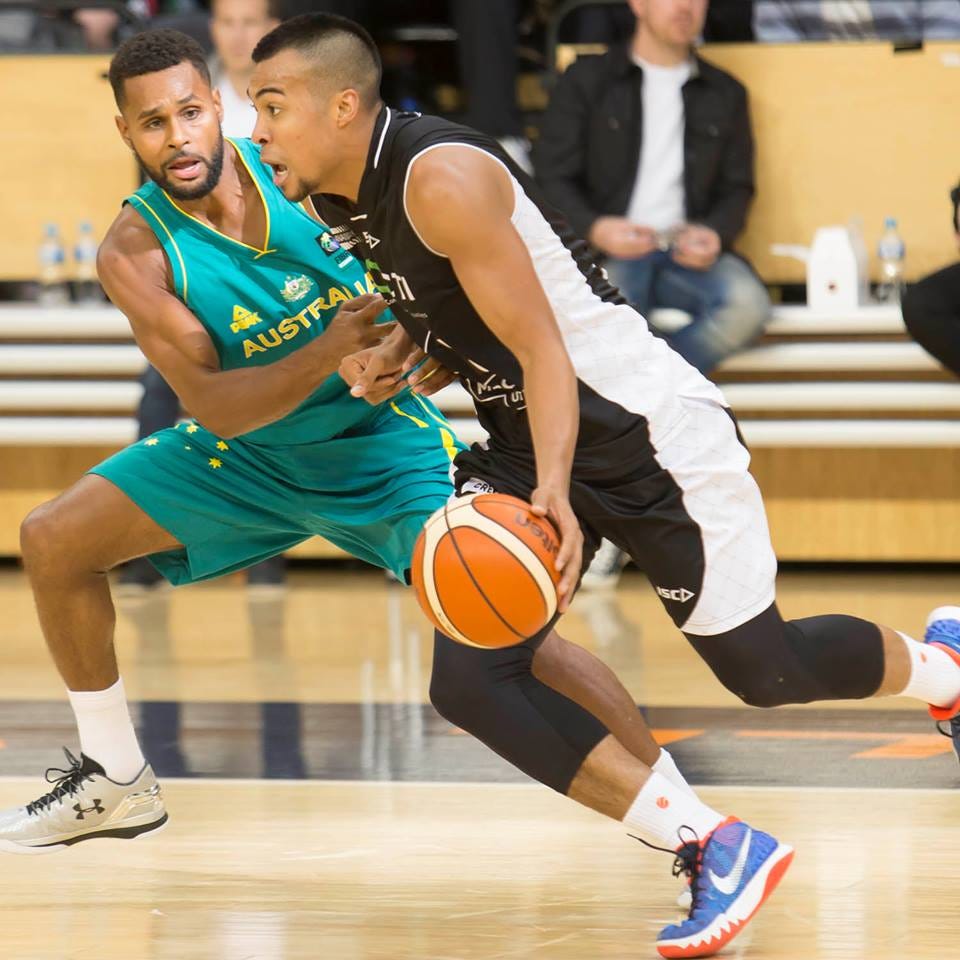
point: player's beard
(194, 191)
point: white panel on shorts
(711, 467)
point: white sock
(666, 766)
(106, 731)
(661, 809)
(934, 674)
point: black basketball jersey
(628, 380)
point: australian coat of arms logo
(296, 288)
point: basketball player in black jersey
(595, 421)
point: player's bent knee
(767, 662)
(457, 687)
(38, 535)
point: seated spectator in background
(648, 150)
(931, 308)
(786, 21)
(236, 27)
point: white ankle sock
(106, 731)
(661, 809)
(934, 674)
(666, 766)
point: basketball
(483, 570)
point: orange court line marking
(663, 737)
(817, 735)
(917, 746)
(899, 746)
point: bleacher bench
(853, 428)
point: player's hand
(371, 374)
(428, 379)
(552, 503)
(621, 238)
(354, 328)
(696, 247)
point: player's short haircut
(340, 48)
(151, 52)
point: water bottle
(53, 282)
(890, 252)
(85, 258)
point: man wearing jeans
(648, 151)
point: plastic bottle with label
(52, 278)
(85, 257)
(891, 253)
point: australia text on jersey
(290, 327)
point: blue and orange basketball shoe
(943, 630)
(732, 872)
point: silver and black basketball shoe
(84, 804)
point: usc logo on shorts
(678, 593)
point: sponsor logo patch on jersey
(328, 244)
(244, 319)
(296, 288)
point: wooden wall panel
(848, 130)
(62, 159)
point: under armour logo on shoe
(96, 808)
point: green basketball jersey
(257, 305)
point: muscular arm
(461, 202)
(133, 272)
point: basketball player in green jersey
(247, 306)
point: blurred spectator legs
(728, 304)
(159, 406)
(488, 70)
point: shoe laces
(69, 783)
(946, 630)
(952, 731)
(688, 859)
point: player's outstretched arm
(461, 202)
(134, 273)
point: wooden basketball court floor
(320, 809)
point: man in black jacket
(648, 151)
(931, 308)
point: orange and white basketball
(483, 570)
